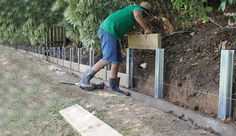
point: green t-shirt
(121, 21)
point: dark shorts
(111, 51)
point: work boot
(85, 81)
(114, 86)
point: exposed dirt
(31, 98)
(192, 62)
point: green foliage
(25, 21)
(83, 17)
(225, 3)
(190, 10)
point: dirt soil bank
(192, 66)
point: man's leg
(89, 74)
(114, 81)
(99, 65)
(114, 70)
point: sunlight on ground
(106, 94)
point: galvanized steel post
(71, 56)
(129, 68)
(39, 49)
(46, 49)
(79, 58)
(50, 51)
(43, 52)
(58, 54)
(51, 56)
(63, 55)
(226, 81)
(159, 74)
(91, 57)
(54, 54)
(105, 73)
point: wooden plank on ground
(152, 42)
(86, 123)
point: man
(114, 27)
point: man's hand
(147, 31)
(139, 18)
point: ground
(31, 98)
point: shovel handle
(68, 83)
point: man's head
(146, 7)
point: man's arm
(139, 18)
